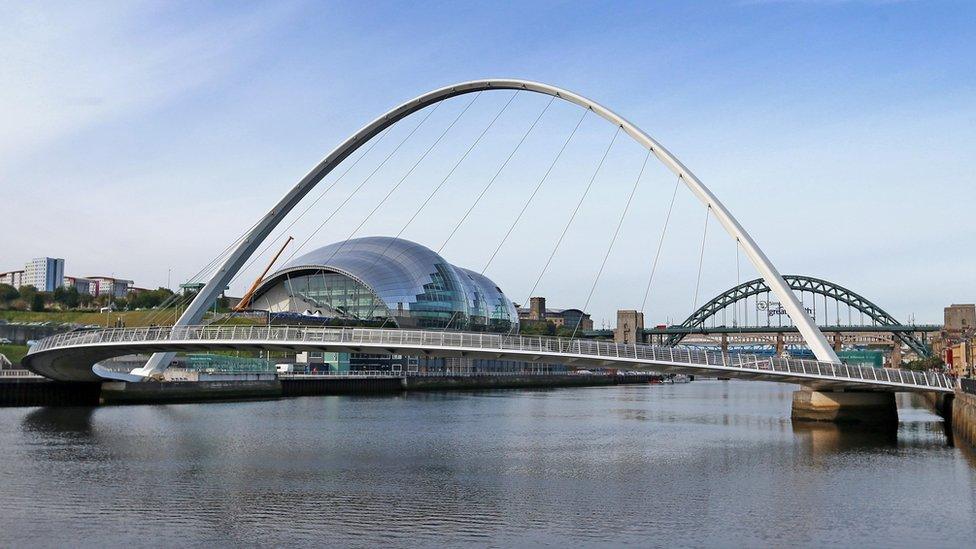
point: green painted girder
(704, 330)
(805, 284)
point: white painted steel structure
(195, 311)
(19, 374)
(70, 356)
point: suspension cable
(525, 206)
(202, 272)
(443, 181)
(535, 191)
(176, 299)
(495, 176)
(282, 233)
(572, 217)
(613, 240)
(183, 299)
(483, 191)
(701, 257)
(660, 244)
(437, 188)
(364, 181)
(417, 163)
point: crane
(246, 300)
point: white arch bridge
(75, 356)
(260, 231)
(72, 355)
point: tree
(66, 296)
(71, 297)
(37, 302)
(568, 331)
(924, 364)
(536, 327)
(149, 299)
(27, 293)
(8, 294)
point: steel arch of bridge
(261, 230)
(805, 284)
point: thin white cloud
(66, 67)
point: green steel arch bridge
(748, 308)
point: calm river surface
(709, 463)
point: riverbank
(959, 412)
(963, 419)
(941, 403)
(43, 392)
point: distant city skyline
(140, 138)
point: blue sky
(139, 137)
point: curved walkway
(72, 355)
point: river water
(710, 463)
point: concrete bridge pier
(844, 407)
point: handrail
(543, 345)
(19, 374)
(410, 373)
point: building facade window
(388, 280)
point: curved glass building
(387, 281)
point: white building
(14, 278)
(83, 285)
(44, 273)
(115, 287)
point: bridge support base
(848, 407)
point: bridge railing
(18, 374)
(567, 349)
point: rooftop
(112, 278)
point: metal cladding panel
(419, 287)
(396, 270)
(489, 300)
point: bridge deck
(70, 356)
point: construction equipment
(245, 301)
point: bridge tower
(630, 327)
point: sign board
(775, 308)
